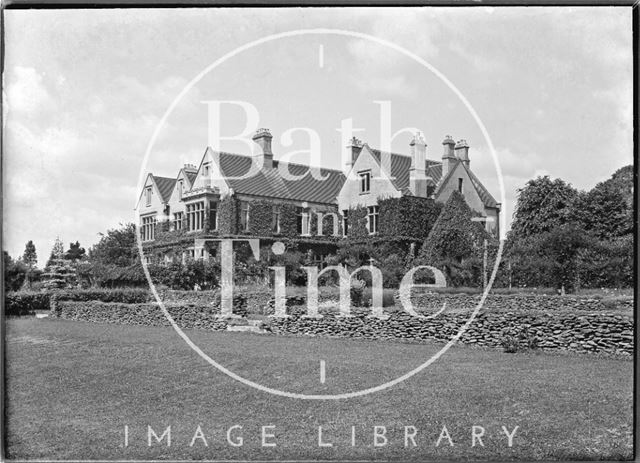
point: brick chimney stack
(356, 147)
(417, 172)
(462, 152)
(263, 138)
(448, 155)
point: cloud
(26, 91)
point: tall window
(365, 182)
(148, 228)
(195, 216)
(372, 219)
(180, 189)
(345, 222)
(213, 215)
(147, 196)
(205, 170)
(299, 220)
(459, 185)
(275, 222)
(177, 220)
(244, 217)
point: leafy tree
(607, 210)
(114, 260)
(15, 273)
(30, 258)
(561, 247)
(542, 205)
(75, 252)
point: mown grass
(72, 387)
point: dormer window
(459, 185)
(180, 188)
(147, 196)
(205, 170)
(365, 182)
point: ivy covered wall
(357, 222)
(228, 215)
(261, 218)
(407, 217)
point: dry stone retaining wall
(590, 332)
(547, 322)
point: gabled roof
(270, 182)
(165, 186)
(486, 197)
(401, 165)
(191, 176)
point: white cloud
(26, 91)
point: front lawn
(72, 387)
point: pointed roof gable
(487, 199)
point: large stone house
(232, 195)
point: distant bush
(25, 303)
(521, 340)
(388, 298)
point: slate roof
(165, 186)
(270, 183)
(191, 176)
(400, 165)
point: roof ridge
(279, 161)
(408, 156)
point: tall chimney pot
(462, 152)
(417, 172)
(263, 138)
(356, 147)
(448, 155)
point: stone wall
(544, 322)
(522, 302)
(581, 332)
(202, 315)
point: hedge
(24, 303)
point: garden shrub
(25, 303)
(388, 297)
(521, 339)
(357, 292)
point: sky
(84, 91)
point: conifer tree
(30, 257)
